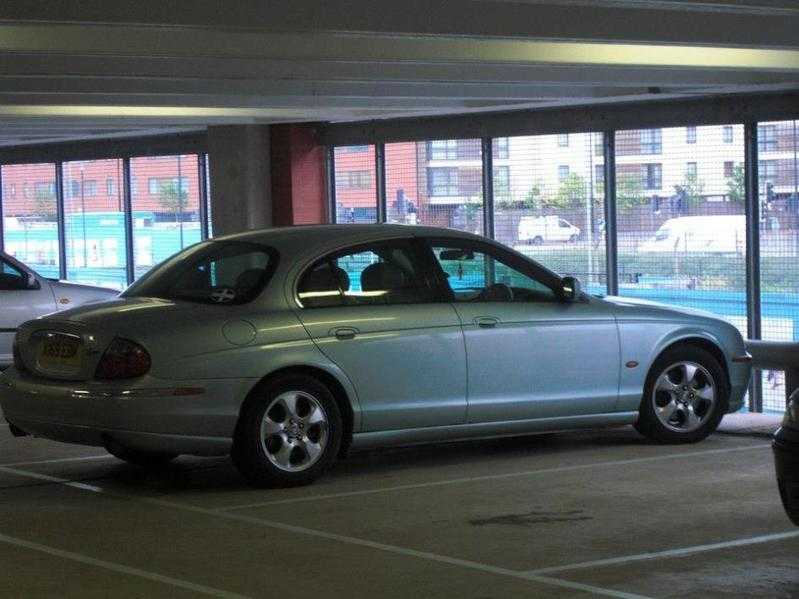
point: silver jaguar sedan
(285, 347)
(25, 294)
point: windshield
(663, 233)
(223, 272)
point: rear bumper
(152, 415)
(786, 462)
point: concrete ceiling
(81, 68)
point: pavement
(578, 514)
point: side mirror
(570, 290)
(32, 282)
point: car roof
(321, 234)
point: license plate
(57, 352)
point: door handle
(344, 333)
(486, 322)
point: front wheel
(288, 434)
(685, 396)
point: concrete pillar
(240, 173)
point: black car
(786, 458)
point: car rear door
(529, 354)
(22, 297)
(373, 311)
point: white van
(538, 229)
(698, 234)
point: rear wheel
(288, 434)
(142, 459)
(537, 240)
(685, 396)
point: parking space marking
(122, 569)
(680, 552)
(393, 549)
(107, 456)
(455, 481)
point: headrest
(325, 277)
(382, 276)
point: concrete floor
(599, 513)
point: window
(30, 219)
(166, 215)
(563, 140)
(599, 174)
(501, 183)
(500, 148)
(729, 167)
(767, 138)
(383, 273)
(216, 273)
(690, 135)
(652, 175)
(12, 278)
(110, 187)
(767, 171)
(651, 141)
(436, 194)
(691, 169)
(475, 273)
(563, 172)
(727, 134)
(442, 181)
(94, 227)
(443, 149)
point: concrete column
(241, 186)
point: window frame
(525, 266)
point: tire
(573, 239)
(685, 396)
(142, 459)
(288, 434)
(537, 240)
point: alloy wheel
(684, 396)
(294, 431)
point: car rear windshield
(213, 272)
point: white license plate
(59, 352)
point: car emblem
(223, 296)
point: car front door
(22, 297)
(373, 310)
(529, 354)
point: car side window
(373, 274)
(12, 278)
(478, 275)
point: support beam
(611, 233)
(298, 175)
(752, 210)
(241, 197)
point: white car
(540, 229)
(25, 295)
(698, 234)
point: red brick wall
(298, 176)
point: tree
(629, 191)
(44, 204)
(571, 193)
(735, 184)
(173, 198)
(693, 189)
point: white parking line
(680, 552)
(85, 559)
(107, 456)
(393, 549)
(455, 481)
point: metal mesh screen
(438, 183)
(549, 202)
(356, 193)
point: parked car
(687, 234)
(285, 347)
(544, 229)
(786, 459)
(24, 294)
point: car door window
(475, 273)
(372, 274)
(11, 277)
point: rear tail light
(124, 359)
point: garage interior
(582, 134)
